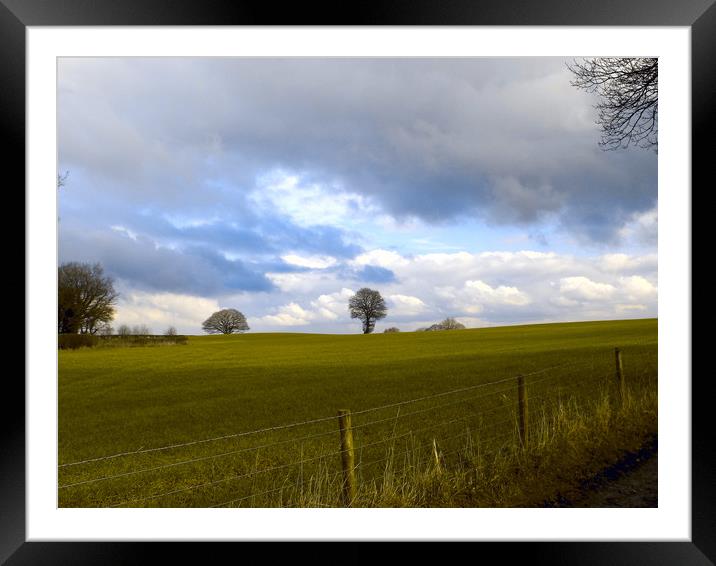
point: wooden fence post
(522, 409)
(619, 374)
(347, 457)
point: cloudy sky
(468, 187)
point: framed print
(269, 193)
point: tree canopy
(225, 321)
(629, 96)
(368, 306)
(86, 298)
(447, 324)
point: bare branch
(628, 90)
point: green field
(136, 400)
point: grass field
(137, 400)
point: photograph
(419, 274)
(357, 282)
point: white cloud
(406, 305)
(291, 314)
(479, 289)
(161, 310)
(624, 263)
(310, 204)
(475, 295)
(637, 288)
(189, 222)
(500, 295)
(334, 305)
(493, 287)
(642, 228)
(308, 283)
(126, 231)
(382, 258)
(583, 288)
(311, 261)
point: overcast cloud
(457, 187)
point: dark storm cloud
(375, 274)
(149, 249)
(198, 270)
(507, 140)
(260, 235)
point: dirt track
(635, 488)
(633, 482)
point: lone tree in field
(85, 298)
(629, 91)
(369, 307)
(226, 321)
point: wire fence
(302, 462)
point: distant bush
(142, 340)
(447, 324)
(74, 341)
(392, 329)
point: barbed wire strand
(341, 472)
(308, 437)
(230, 478)
(292, 440)
(294, 486)
(445, 439)
(307, 422)
(392, 455)
(200, 459)
(285, 441)
(429, 445)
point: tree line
(87, 305)
(86, 302)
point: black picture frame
(17, 15)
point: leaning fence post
(522, 409)
(347, 457)
(619, 373)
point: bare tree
(226, 321)
(368, 306)
(124, 330)
(171, 331)
(86, 298)
(62, 179)
(391, 329)
(447, 324)
(629, 91)
(141, 330)
(451, 324)
(105, 329)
